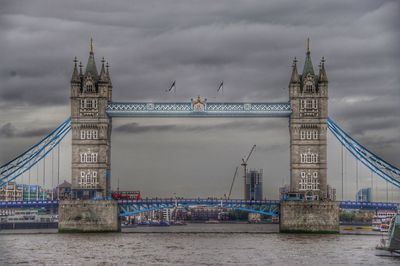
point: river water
(189, 246)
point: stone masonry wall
(309, 217)
(88, 216)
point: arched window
(315, 134)
(308, 181)
(302, 134)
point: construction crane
(244, 162)
(233, 181)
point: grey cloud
(39, 132)
(136, 128)
(8, 130)
(249, 45)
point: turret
(294, 79)
(103, 74)
(322, 77)
(75, 74)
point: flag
(221, 86)
(172, 86)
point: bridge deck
(188, 109)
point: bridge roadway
(208, 202)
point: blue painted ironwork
(376, 164)
(134, 207)
(357, 205)
(186, 109)
(48, 204)
(31, 157)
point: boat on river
(390, 246)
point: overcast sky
(248, 44)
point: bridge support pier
(309, 217)
(84, 216)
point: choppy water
(190, 249)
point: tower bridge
(90, 125)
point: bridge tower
(308, 130)
(91, 129)
(308, 94)
(91, 143)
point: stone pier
(79, 216)
(309, 217)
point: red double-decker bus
(126, 195)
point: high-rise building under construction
(253, 185)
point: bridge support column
(84, 216)
(309, 217)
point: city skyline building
(253, 185)
(364, 195)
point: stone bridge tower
(308, 147)
(91, 129)
(308, 130)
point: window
(302, 134)
(315, 134)
(89, 134)
(309, 88)
(309, 104)
(89, 104)
(314, 103)
(303, 104)
(90, 157)
(309, 134)
(88, 179)
(309, 181)
(309, 157)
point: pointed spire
(80, 68)
(91, 64)
(91, 45)
(108, 72)
(295, 76)
(308, 66)
(103, 75)
(75, 74)
(322, 73)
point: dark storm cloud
(8, 130)
(248, 44)
(136, 128)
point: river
(189, 246)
